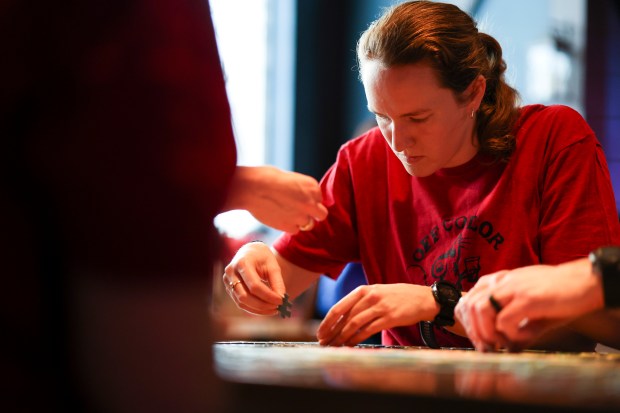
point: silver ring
(308, 226)
(233, 284)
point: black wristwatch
(606, 264)
(447, 295)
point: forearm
(243, 187)
(296, 279)
(594, 321)
(602, 326)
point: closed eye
(419, 120)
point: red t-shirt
(551, 202)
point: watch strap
(607, 263)
(445, 317)
(427, 333)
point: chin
(418, 172)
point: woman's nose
(400, 138)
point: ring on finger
(308, 225)
(233, 284)
(495, 304)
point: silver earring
(473, 111)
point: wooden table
(305, 377)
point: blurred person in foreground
(117, 154)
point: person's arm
(283, 200)
(604, 325)
(534, 300)
(575, 188)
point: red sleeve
(578, 209)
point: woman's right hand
(253, 279)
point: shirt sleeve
(578, 210)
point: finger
(484, 319)
(468, 308)
(252, 310)
(365, 332)
(462, 310)
(253, 281)
(226, 281)
(462, 313)
(249, 303)
(474, 332)
(230, 283)
(358, 317)
(328, 338)
(480, 320)
(335, 313)
(308, 224)
(516, 326)
(272, 279)
(482, 309)
(319, 212)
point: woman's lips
(413, 159)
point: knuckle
(354, 325)
(361, 289)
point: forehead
(411, 84)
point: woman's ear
(475, 91)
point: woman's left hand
(371, 308)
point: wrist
(432, 308)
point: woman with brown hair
(457, 181)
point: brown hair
(448, 38)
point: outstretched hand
(371, 308)
(287, 201)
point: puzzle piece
(284, 308)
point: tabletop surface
(588, 380)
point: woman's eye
(418, 120)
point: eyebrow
(416, 113)
(404, 115)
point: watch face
(447, 292)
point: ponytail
(498, 110)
